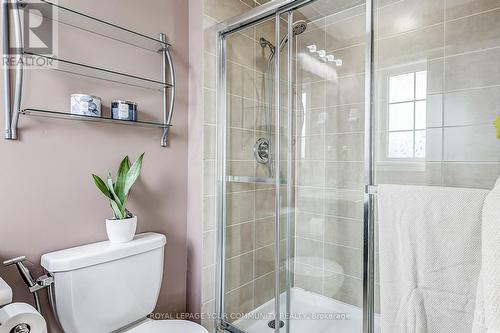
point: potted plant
(121, 228)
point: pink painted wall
(195, 158)
(48, 201)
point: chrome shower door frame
(276, 9)
(369, 177)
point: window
(407, 105)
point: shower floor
(310, 312)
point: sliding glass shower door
(254, 234)
(291, 117)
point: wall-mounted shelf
(98, 26)
(65, 115)
(94, 25)
(103, 73)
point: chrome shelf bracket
(6, 72)
(13, 82)
(168, 94)
(12, 108)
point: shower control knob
(261, 150)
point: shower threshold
(310, 312)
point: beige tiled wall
(457, 42)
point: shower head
(299, 27)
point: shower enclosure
(319, 101)
(286, 189)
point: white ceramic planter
(121, 231)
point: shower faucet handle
(14, 261)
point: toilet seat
(167, 326)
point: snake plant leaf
(115, 198)
(118, 213)
(102, 186)
(496, 123)
(133, 174)
(120, 179)
(117, 192)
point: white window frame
(414, 130)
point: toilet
(107, 287)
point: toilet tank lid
(98, 253)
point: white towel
(487, 314)
(429, 257)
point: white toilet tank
(102, 287)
